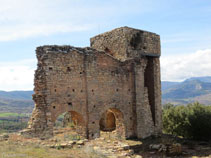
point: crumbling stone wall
(120, 73)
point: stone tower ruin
(114, 84)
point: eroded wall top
(124, 43)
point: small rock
(155, 146)
(71, 142)
(174, 149)
(63, 145)
(96, 148)
(79, 146)
(163, 148)
(112, 156)
(125, 147)
(138, 156)
(130, 152)
(80, 142)
(86, 140)
(124, 154)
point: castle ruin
(112, 85)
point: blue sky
(184, 27)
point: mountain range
(191, 90)
(195, 89)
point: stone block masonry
(114, 85)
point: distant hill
(167, 84)
(16, 101)
(202, 79)
(16, 94)
(191, 90)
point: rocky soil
(109, 146)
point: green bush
(191, 121)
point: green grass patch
(11, 115)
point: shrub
(191, 121)
(200, 122)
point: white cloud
(27, 18)
(180, 67)
(17, 75)
(9, 33)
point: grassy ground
(18, 146)
(11, 115)
(12, 149)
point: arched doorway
(108, 121)
(112, 122)
(70, 123)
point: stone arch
(112, 120)
(108, 121)
(74, 117)
(73, 121)
(63, 106)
